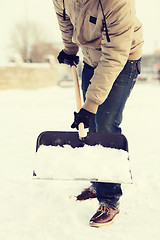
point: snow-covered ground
(32, 209)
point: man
(110, 37)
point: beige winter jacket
(83, 27)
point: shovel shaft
(81, 130)
(77, 88)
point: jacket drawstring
(104, 23)
(104, 19)
(64, 11)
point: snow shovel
(78, 140)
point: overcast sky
(42, 11)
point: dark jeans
(109, 117)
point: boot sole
(94, 224)
(85, 199)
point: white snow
(40, 209)
(89, 162)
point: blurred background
(30, 40)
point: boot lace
(104, 209)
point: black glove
(67, 58)
(83, 116)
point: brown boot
(88, 193)
(104, 216)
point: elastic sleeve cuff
(90, 106)
(71, 50)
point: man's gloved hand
(67, 58)
(83, 116)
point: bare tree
(29, 40)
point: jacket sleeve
(66, 28)
(120, 24)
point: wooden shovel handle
(81, 130)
